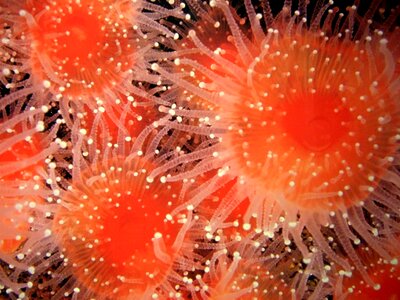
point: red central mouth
(316, 121)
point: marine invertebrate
(293, 118)
(81, 52)
(107, 231)
(306, 118)
(114, 230)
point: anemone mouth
(316, 122)
(57, 33)
(319, 136)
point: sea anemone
(114, 230)
(306, 117)
(205, 151)
(79, 52)
(107, 231)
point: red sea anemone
(79, 52)
(306, 118)
(206, 150)
(107, 231)
(114, 230)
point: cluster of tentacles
(199, 150)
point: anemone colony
(199, 150)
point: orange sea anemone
(305, 116)
(199, 150)
(79, 52)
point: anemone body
(105, 230)
(110, 225)
(305, 116)
(79, 53)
